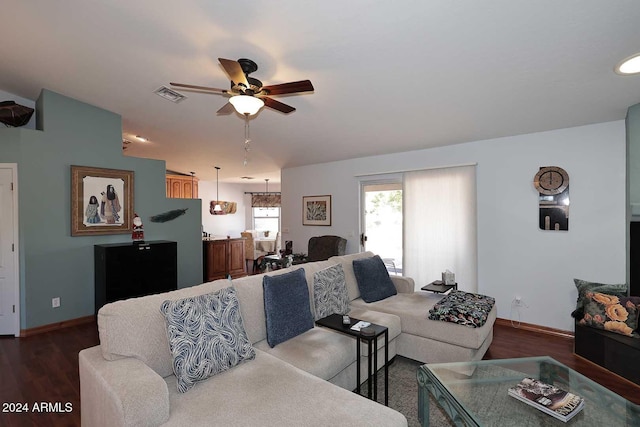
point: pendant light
(217, 209)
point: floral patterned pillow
(584, 287)
(464, 308)
(611, 313)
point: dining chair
(250, 252)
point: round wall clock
(551, 180)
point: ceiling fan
(248, 94)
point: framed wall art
(101, 201)
(316, 210)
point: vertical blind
(440, 225)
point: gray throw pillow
(373, 279)
(206, 336)
(330, 292)
(286, 306)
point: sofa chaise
(129, 380)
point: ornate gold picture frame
(101, 201)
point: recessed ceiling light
(141, 138)
(630, 65)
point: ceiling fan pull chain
(247, 140)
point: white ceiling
(388, 76)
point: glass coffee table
(476, 394)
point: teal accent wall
(52, 263)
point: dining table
(265, 245)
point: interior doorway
(9, 314)
(382, 221)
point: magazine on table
(548, 398)
(361, 324)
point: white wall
(515, 257)
(229, 225)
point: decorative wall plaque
(552, 183)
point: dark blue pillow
(373, 279)
(286, 305)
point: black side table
(334, 322)
(439, 287)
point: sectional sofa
(128, 380)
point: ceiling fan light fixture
(245, 104)
(629, 65)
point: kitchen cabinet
(180, 186)
(223, 257)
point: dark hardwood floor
(41, 371)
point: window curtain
(440, 226)
(265, 200)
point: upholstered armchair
(324, 247)
(250, 252)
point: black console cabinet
(615, 352)
(127, 270)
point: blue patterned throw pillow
(286, 306)
(206, 336)
(330, 292)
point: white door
(8, 255)
(382, 222)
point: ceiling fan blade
(205, 88)
(226, 109)
(234, 70)
(277, 105)
(293, 87)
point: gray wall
(52, 263)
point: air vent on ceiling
(169, 94)
(247, 177)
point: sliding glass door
(381, 223)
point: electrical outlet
(55, 302)
(517, 302)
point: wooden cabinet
(179, 187)
(127, 270)
(237, 261)
(222, 257)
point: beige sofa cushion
(136, 328)
(321, 352)
(269, 392)
(413, 310)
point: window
(266, 219)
